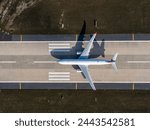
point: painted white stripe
(49, 42)
(60, 50)
(45, 62)
(58, 47)
(138, 61)
(72, 81)
(58, 79)
(59, 73)
(7, 62)
(64, 76)
(57, 44)
(148, 41)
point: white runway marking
(71, 42)
(60, 47)
(59, 79)
(62, 44)
(64, 50)
(59, 76)
(7, 62)
(59, 73)
(143, 62)
(56, 47)
(71, 81)
(42, 62)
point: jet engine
(78, 52)
(79, 71)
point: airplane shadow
(73, 51)
(96, 51)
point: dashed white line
(138, 62)
(44, 62)
(7, 62)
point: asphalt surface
(75, 37)
(25, 63)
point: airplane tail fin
(114, 62)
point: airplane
(83, 62)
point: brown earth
(112, 16)
(74, 101)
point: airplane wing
(86, 73)
(86, 51)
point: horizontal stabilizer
(115, 57)
(114, 66)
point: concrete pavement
(26, 61)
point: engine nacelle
(78, 52)
(79, 71)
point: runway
(36, 62)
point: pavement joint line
(133, 87)
(76, 86)
(21, 38)
(138, 61)
(7, 62)
(20, 87)
(133, 36)
(76, 37)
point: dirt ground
(74, 101)
(102, 16)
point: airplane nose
(59, 62)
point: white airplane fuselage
(84, 62)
